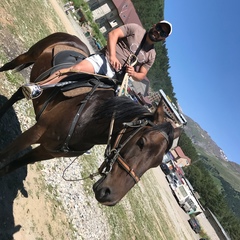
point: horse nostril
(104, 192)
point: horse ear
(158, 116)
(177, 132)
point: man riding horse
(112, 61)
(68, 125)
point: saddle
(79, 83)
(74, 84)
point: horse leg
(35, 155)
(22, 142)
(18, 95)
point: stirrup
(31, 91)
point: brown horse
(68, 126)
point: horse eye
(140, 143)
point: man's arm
(113, 37)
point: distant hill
(225, 173)
(202, 139)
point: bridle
(113, 155)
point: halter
(113, 154)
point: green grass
(23, 23)
(142, 212)
(14, 78)
(36, 24)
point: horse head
(139, 146)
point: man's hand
(130, 70)
(115, 63)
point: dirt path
(70, 24)
(176, 214)
(29, 209)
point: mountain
(224, 172)
(202, 139)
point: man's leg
(32, 91)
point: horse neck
(119, 109)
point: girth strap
(65, 147)
(51, 96)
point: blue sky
(204, 55)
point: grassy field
(26, 23)
(29, 21)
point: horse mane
(126, 110)
(123, 107)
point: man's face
(158, 32)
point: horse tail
(18, 95)
(28, 58)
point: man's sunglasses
(158, 27)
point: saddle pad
(59, 48)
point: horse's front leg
(37, 154)
(23, 141)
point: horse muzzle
(104, 193)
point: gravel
(80, 205)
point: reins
(91, 176)
(113, 155)
(107, 164)
(124, 84)
(133, 56)
(65, 147)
